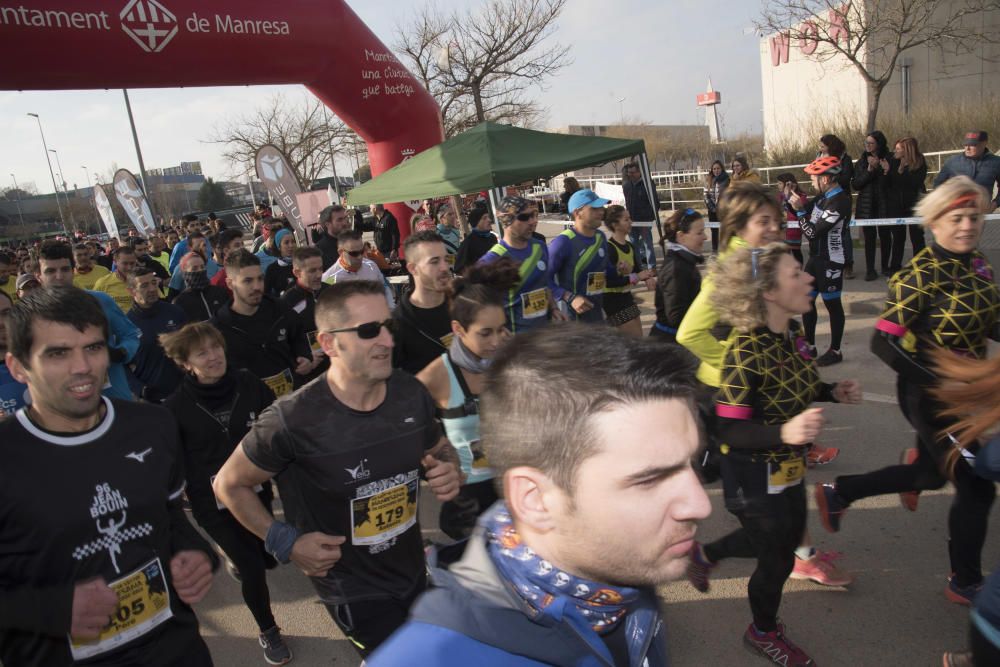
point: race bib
(535, 303)
(143, 604)
(595, 283)
(313, 338)
(383, 515)
(479, 462)
(280, 383)
(218, 503)
(784, 474)
(450, 259)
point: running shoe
(776, 648)
(830, 357)
(957, 659)
(276, 652)
(961, 594)
(849, 272)
(909, 498)
(699, 568)
(870, 276)
(831, 507)
(821, 569)
(818, 455)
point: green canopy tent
(491, 156)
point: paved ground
(894, 614)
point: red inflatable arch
(76, 44)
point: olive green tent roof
(490, 155)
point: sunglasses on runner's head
(368, 330)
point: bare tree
(871, 35)
(481, 64)
(300, 131)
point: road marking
(879, 398)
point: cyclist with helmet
(822, 222)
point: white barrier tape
(873, 222)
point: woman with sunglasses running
(750, 218)
(619, 305)
(678, 280)
(455, 380)
(769, 380)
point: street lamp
(621, 110)
(62, 177)
(87, 173)
(51, 173)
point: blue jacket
(985, 171)
(123, 336)
(470, 617)
(13, 394)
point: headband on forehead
(970, 200)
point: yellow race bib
(595, 283)
(784, 474)
(280, 383)
(535, 303)
(313, 339)
(382, 515)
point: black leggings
(458, 516)
(884, 236)
(835, 308)
(368, 623)
(973, 495)
(772, 527)
(247, 553)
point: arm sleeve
(558, 251)
(695, 331)
(46, 610)
(846, 174)
(676, 293)
(944, 174)
(907, 298)
(124, 334)
(822, 225)
(734, 403)
(268, 444)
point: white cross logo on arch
(149, 24)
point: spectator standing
(716, 182)
(907, 183)
(479, 241)
(157, 375)
(386, 231)
(641, 210)
(447, 228)
(976, 162)
(872, 184)
(570, 185)
(742, 171)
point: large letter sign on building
(166, 43)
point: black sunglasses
(369, 330)
(355, 253)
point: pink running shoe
(818, 455)
(822, 570)
(776, 648)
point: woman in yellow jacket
(741, 172)
(750, 217)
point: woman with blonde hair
(751, 218)
(907, 184)
(769, 380)
(944, 298)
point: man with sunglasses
(347, 455)
(353, 265)
(529, 303)
(262, 334)
(423, 320)
(579, 259)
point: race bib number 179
(382, 515)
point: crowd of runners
(194, 377)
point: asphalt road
(894, 613)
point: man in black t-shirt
(262, 334)
(98, 561)
(348, 452)
(307, 267)
(423, 320)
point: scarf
(215, 395)
(195, 280)
(554, 593)
(461, 357)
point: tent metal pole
(647, 180)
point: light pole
(17, 194)
(62, 177)
(621, 110)
(55, 187)
(87, 173)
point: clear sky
(657, 54)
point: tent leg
(647, 180)
(496, 194)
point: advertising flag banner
(134, 202)
(279, 179)
(103, 206)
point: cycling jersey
(579, 267)
(527, 302)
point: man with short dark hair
(199, 299)
(144, 260)
(158, 251)
(564, 571)
(158, 375)
(423, 320)
(86, 273)
(976, 162)
(262, 334)
(114, 284)
(332, 221)
(579, 259)
(386, 232)
(348, 452)
(643, 213)
(55, 269)
(227, 241)
(110, 565)
(191, 225)
(13, 394)
(307, 267)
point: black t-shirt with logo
(104, 503)
(422, 334)
(356, 474)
